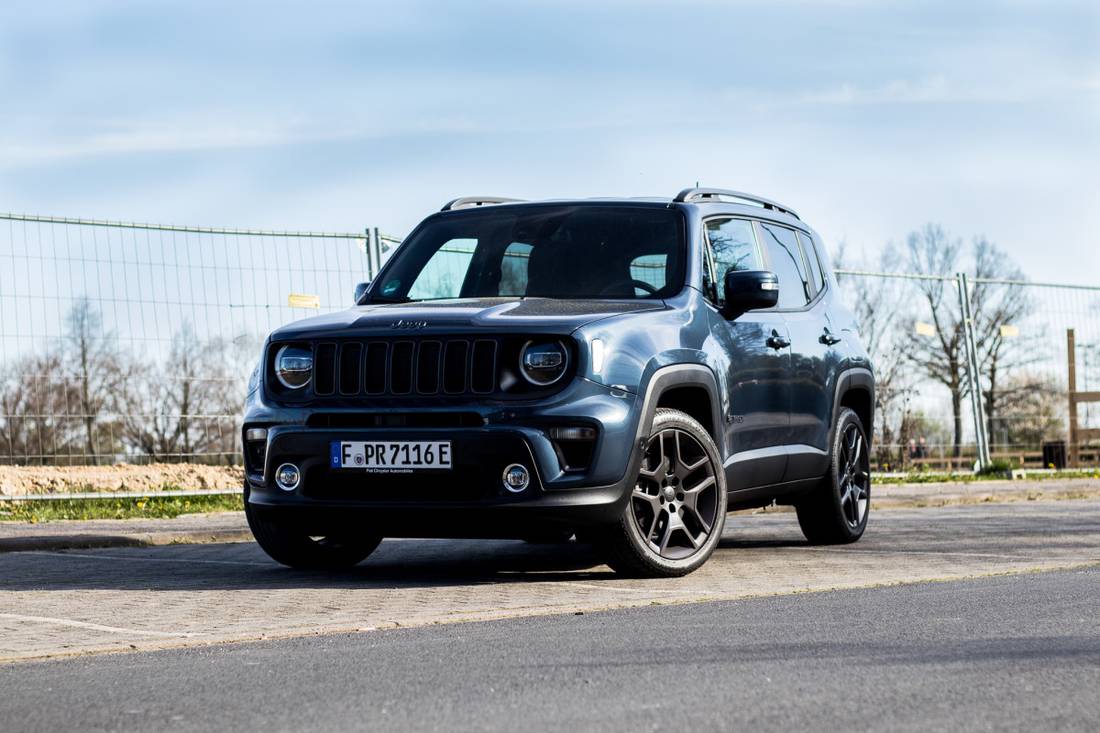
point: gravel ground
(24, 480)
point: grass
(921, 477)
(151, 507)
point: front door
(755, 360)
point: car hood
(465, 315)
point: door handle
(829, 339)
(777, 342)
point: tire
(294, 548)
(836, 511)
(677, 506)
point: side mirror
(747, 290)
(360, 291)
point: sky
(869, 118)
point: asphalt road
(1019, 652)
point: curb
(144, 539)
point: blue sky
(870, 118)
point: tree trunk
(956, 407)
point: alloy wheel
(675, 501)
(854, 477)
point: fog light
(516, 478)
(573, 433)
(287, 476)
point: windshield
(569, 252)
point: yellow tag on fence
(298, 300)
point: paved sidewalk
(85, 601)
(231, 526)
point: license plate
(392, 456)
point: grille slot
(427, 367)
(375, 366)
(349, 375)
(455, 366)
(483, 371)
(324, 369)
(401, 367)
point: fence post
(377, 240)
(1071, 379)
(973, 379)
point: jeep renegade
(625, 371)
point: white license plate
(391, 456)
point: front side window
(546, 251)
(734, 245)
(786, 262)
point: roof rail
(470, 201)
(705, 194)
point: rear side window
(812, 256)
(786, 261)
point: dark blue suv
(625, 371)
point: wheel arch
(691, 388)
(855, 390)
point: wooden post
(1071, 364)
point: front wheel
(836, 511)
(290, 546)
(677, 507)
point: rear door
(754, 363)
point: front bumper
(470, 499)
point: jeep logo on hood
(402, 323)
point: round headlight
(543, 363)
(293, 366)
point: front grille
(406, 367)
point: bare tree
(193, 410)
(998, 301)
(879, 308)
(35, 399)
(934, 254)
(92, 360)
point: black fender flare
(680, 375)
(853, 378)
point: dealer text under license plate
(392, 456)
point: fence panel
(133, 342)
(912, 324)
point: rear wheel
(836, 511)
(677, 506)
(294, 548)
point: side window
(442, 276)
(513, 269)
(786, 262)
(733, 242)
(649, 269)
(814, 258)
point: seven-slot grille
(451, 366)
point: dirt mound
(24, 480)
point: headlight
(293, 366)
(543, 363)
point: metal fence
(976, 369)
(132, 342)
